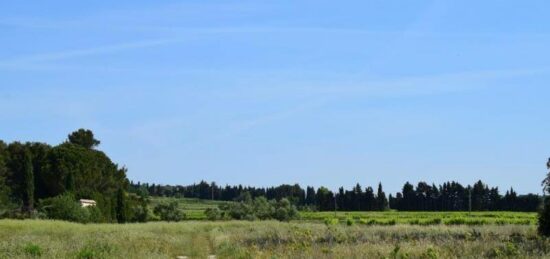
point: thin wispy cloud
(22, 62)
(409, 86)
(427, 84)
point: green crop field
(194, 209)
(265, 239)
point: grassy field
(266, 239)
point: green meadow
(388, 234)
(266, 239)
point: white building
(87, 203)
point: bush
(368, 222)
(94, 251)
(263, 209)
(260, 208)
(65, 207)
(169, 212)
(213, 214)
(33, 250)
(350, 222)
(239, 211)
(430, 254)
(284, 211)
(331, 221)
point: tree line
(449, 196)
(40, 180)
(37, 178)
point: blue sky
(269, 92)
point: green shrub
(510, 249)
(95, 251)
(94, 214)
(368, 222)
(350, 221)
(284, 210)
(260, 208)
(240, 211)
(169, 212)
(213, 214)
(263, 209)
(65, 207)
(331, 221)
(397, 254)
(430, 254)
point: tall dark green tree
(310, 196)
(121, 206)
(544, 214)
(409, 197)
(381, 200)
(28, 182)
(324, 199)
(5, 190)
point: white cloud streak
(33, 60)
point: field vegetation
(265, 239)
(41, 183)
(195, 210)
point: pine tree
(381, 201)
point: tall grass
(267, 239)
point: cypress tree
(121, 207)
(28, 181)
(381, 201)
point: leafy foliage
(260, 209)
(213, 214)
(65, 207)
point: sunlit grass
(265, 239)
